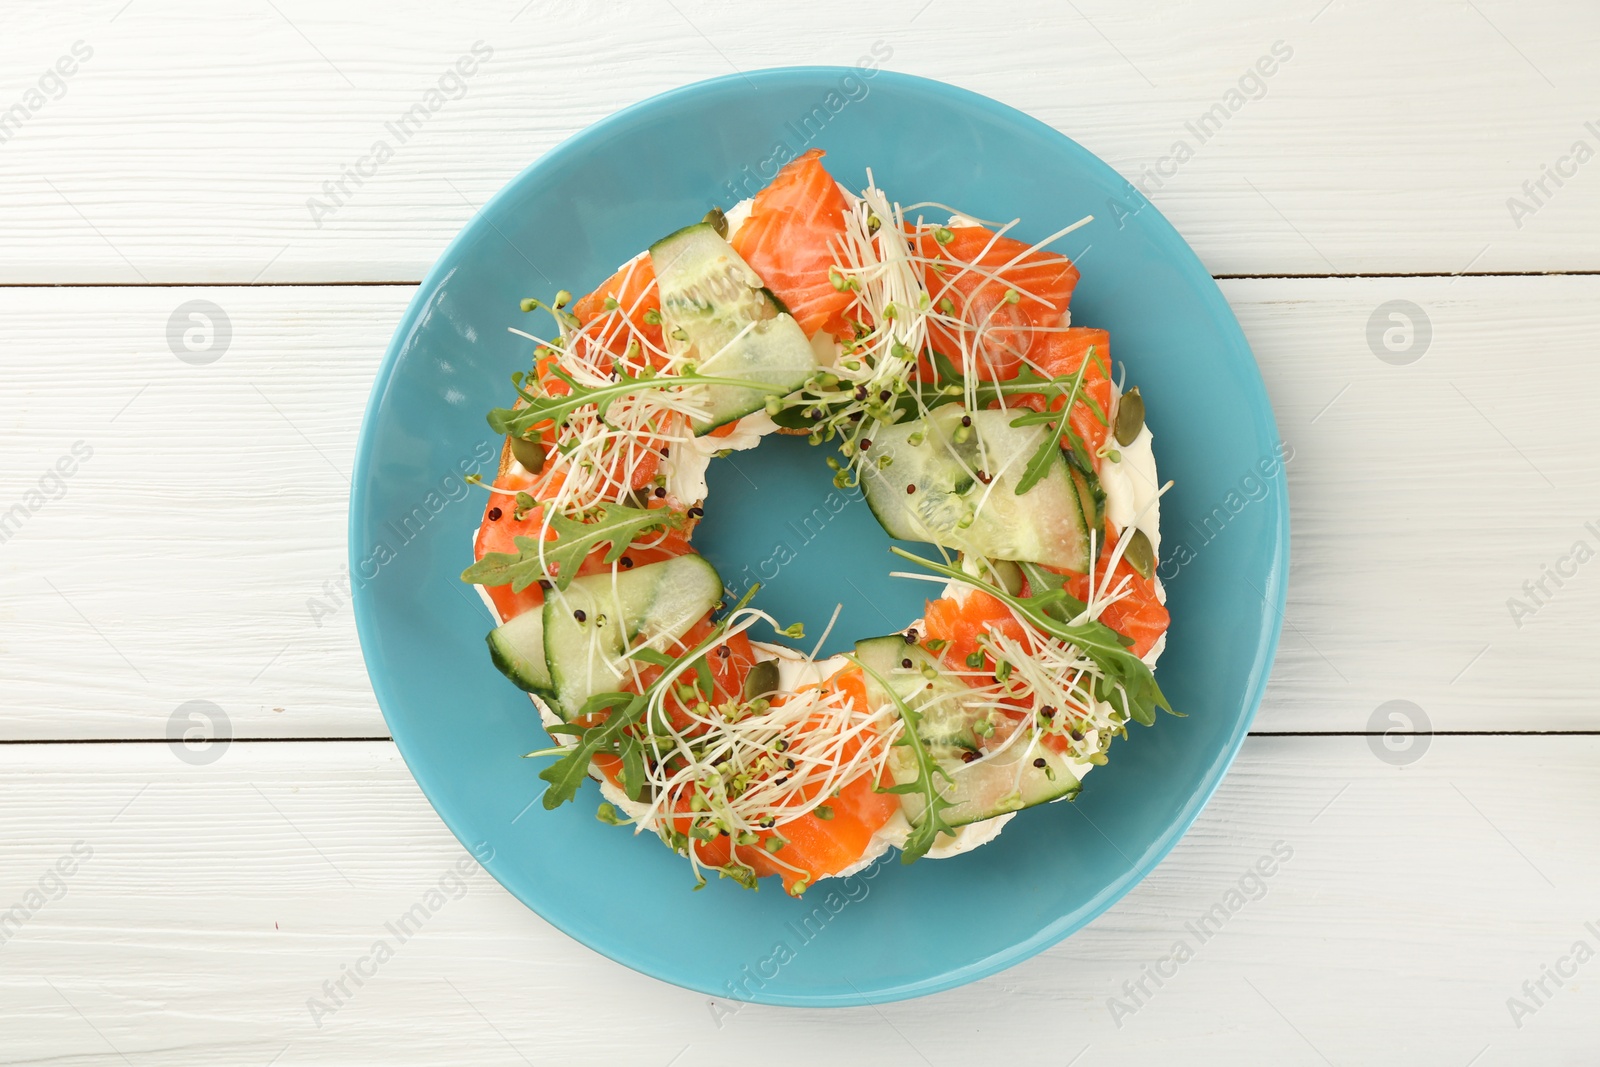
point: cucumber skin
(1062, 492)
(515, 676)
(593, 595)
(692, 256)
(515, 663)
(1034, 785)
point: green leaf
(623, 711)
(541, 409)
(566, 774)
(703, 679)
(646, 654)
(931, 823)
(634, 779)
(1039, 463)
(1049, 608)
(558, 559)
(793, 416)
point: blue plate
(566, 222)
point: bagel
(940, 363)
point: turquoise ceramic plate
(566, 222)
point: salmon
(728, 670)
(953, 626)
(968, 277)
(1139, 616)
(633, 291)
(1060, 355)
(792, 240)
(498, 535)
(814, 846)
(501, 528)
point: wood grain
(188, 146)
(186, 555)
(1408, 905)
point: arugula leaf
(650, 655)
(1051, 610)
(793, 416)
(703, 678)
(1039, 463)
(634, 781)
(949, 387)
(932, 823)
(542, 409)
(611, 735)
(566, 774)
(558, 560)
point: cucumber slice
(716, 312)
(931, 491)
(517, 648)
(995, 785)
(589, 625)
(946, 723)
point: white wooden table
(1442, 900)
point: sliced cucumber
(934, 490)
(517, 648)
(988, 786)
(588, 626)
(945, 722)
(994, 785)
(716, 312)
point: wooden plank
(215, 902)
(189, 144)
(191, 555)
(179, 563)
(1426, 491)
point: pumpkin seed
(1130, 416)
(763, 678)
(1140, 556)
(529, 452)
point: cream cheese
(690, 457)
(1133, 491)
(1133, 498)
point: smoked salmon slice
(1140, 615)
(791, 239)
(623, 306)
(968, 272)
(1061, 354)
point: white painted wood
(213, 507)
(217, 900)
(187, 146)
(179, 563)
(1423, 496)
